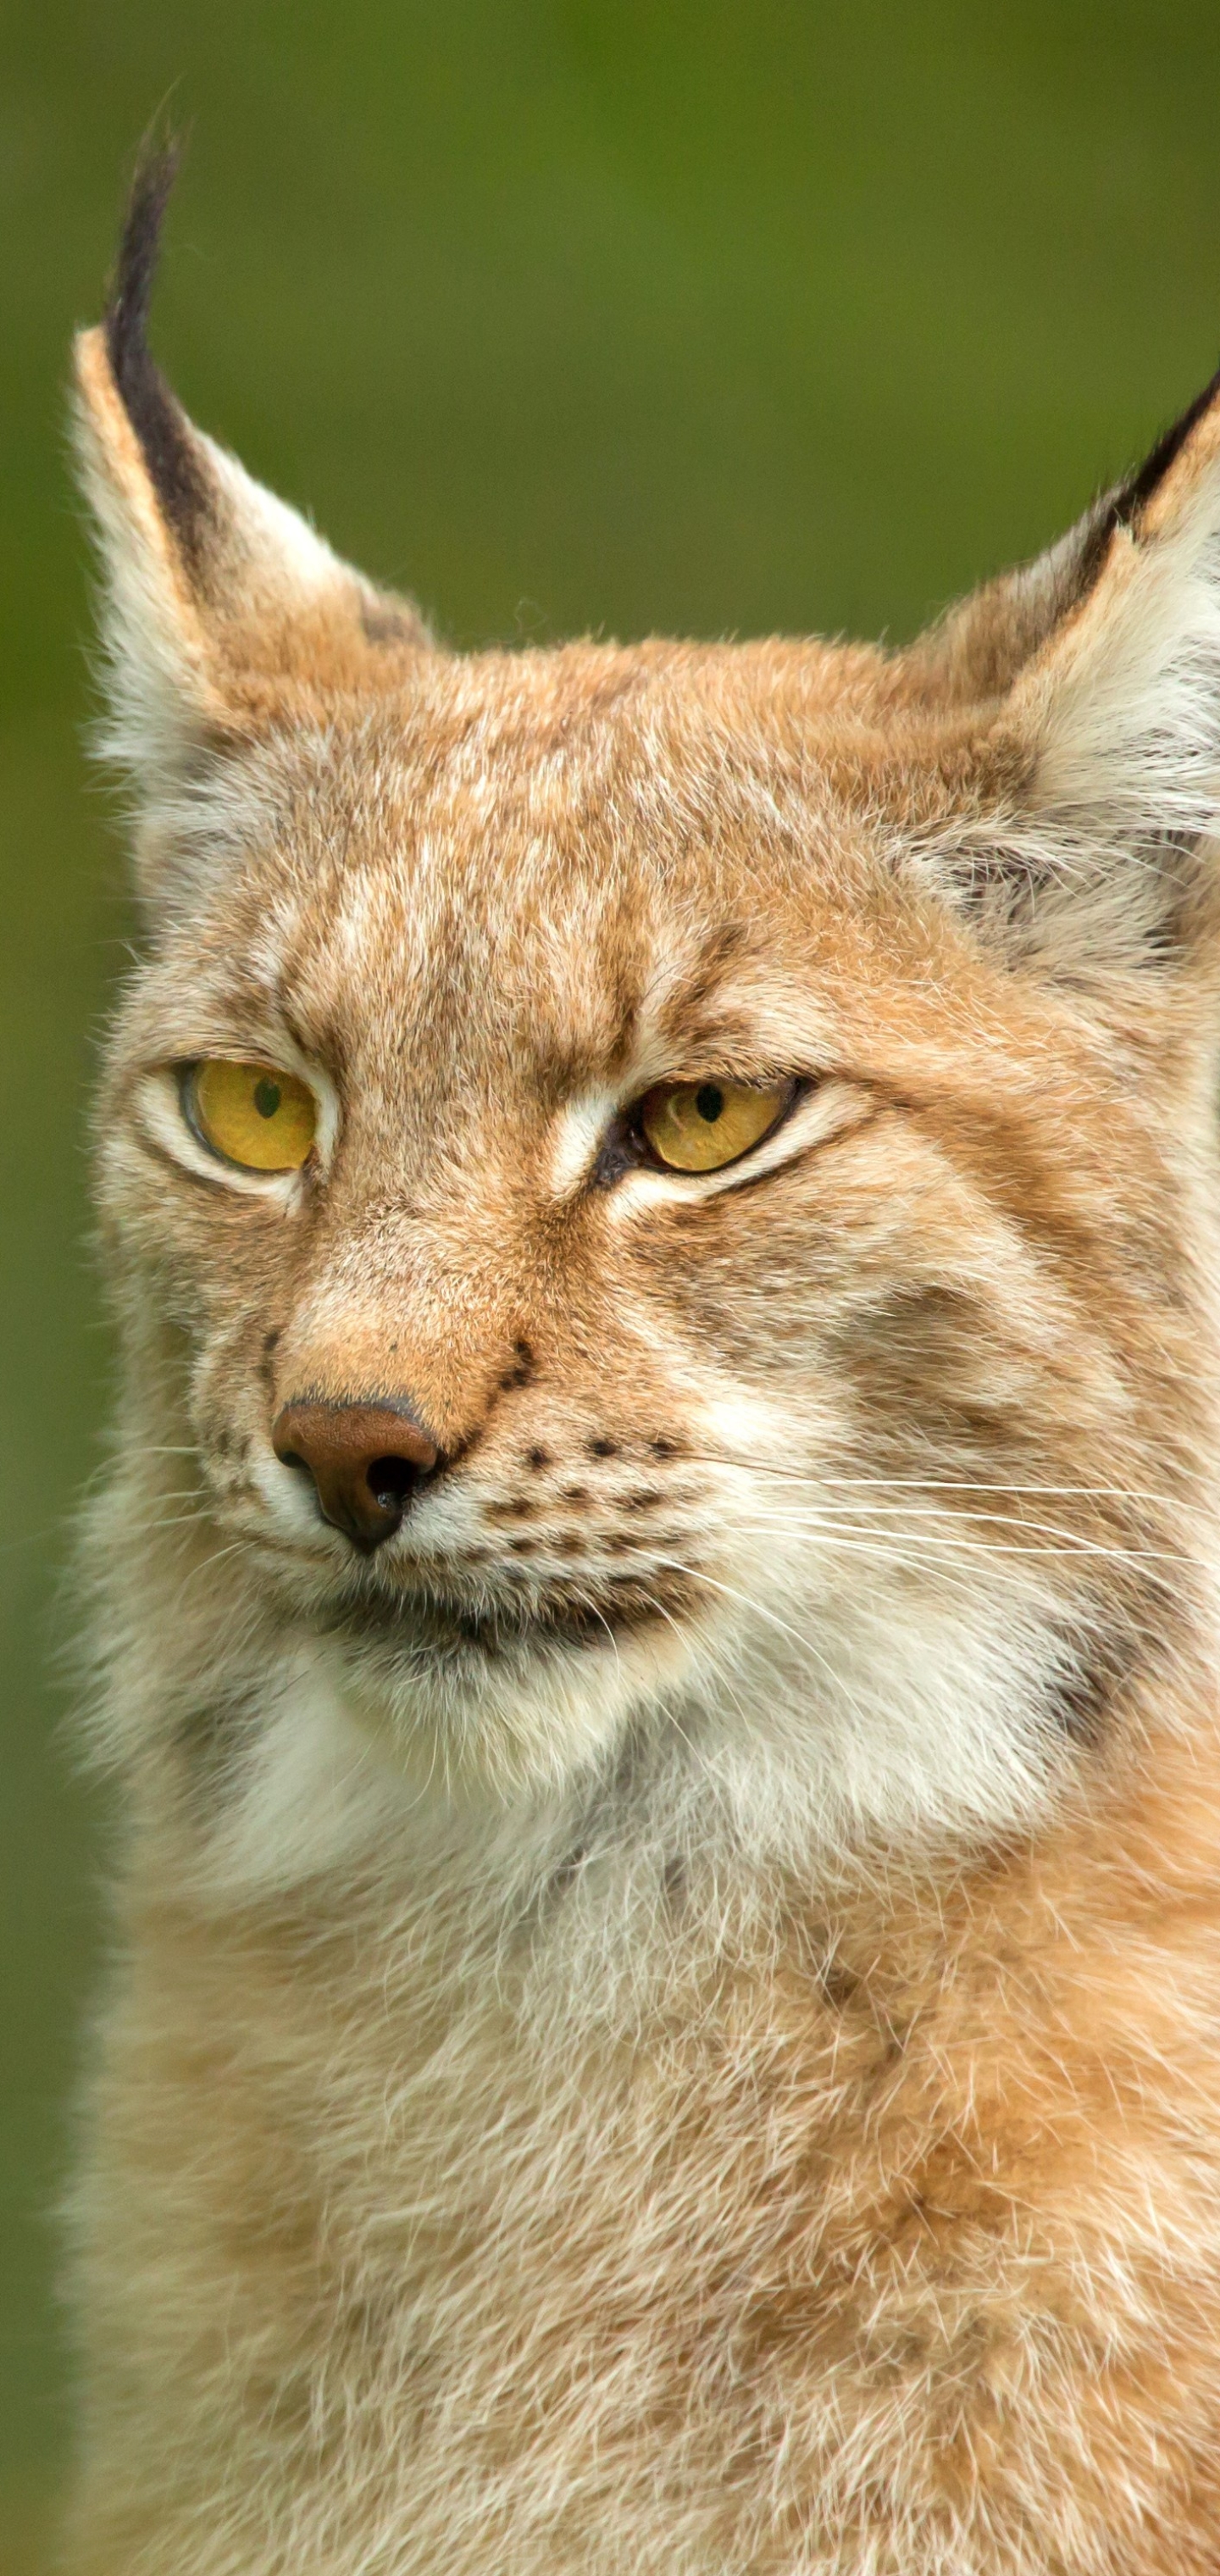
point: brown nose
(365, 1460)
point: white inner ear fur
(163, 645)
(1130, 700)
(283, 550)
(157, 687)
(1123, 711)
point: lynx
(656, 1600)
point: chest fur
(793, 2256)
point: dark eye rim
(627, 1149)
(186, 1076)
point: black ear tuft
(155, 416)
(1134, 495)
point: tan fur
(731, 2079)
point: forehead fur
(596, 837)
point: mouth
(434, 1626)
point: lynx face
(852, 1467)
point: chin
(501, 1699)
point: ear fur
(1093, 676)
(1125, 697)
(224, 612)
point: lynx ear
(1094, 676)
(224, 612)
(1124, 698)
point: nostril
(390, 1480)
(362, 1487)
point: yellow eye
(701, 1126)
(262, 1120)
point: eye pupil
(260, 1119)
(705, 1126)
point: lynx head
(662, 1196)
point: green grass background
(708, 315)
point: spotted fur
(670, 2017)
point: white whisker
(960, 1542)
(827, 1482)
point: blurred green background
(711, 315)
